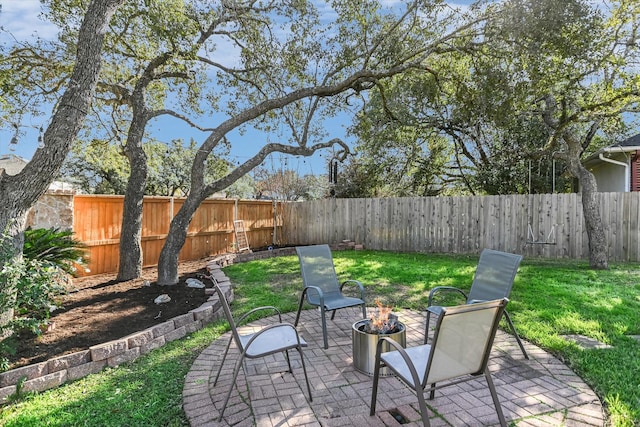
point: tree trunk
(168, 261)
(7, 287)
(18, 193)
(130, 266)
(598, 258)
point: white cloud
(22, 19)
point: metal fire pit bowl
(364, 347)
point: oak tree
(74, 96)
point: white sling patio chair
(321, 287)
(276, 338)
(493, 279)
(459, 352)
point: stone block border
(55, 372)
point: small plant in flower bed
(30, 286)
(55, 246)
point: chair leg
(515, 333)
(304, 369)
(426, 327)
(374, 389)
(494, 396)
(299, 310)
(432, 392)
(324, 328)
(224, 357)
(236, 370)
(423, 406)
(286, 355)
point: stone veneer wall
(55, 372)
(54, 209)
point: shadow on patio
(541, 391)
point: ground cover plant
(37, 280)
(549, 299)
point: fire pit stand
(364, 346)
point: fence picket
(468, 224)
(464, 224)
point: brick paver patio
(541, 391)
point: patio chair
(459, 352)
(276, 338)
(493, 279)
(321, 288)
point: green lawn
(549, 299)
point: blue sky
(20, 17)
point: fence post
(274, 207)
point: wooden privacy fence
(544, 225)
(97, 222)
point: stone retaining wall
(55, 372)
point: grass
(549, 299)
(145, 392)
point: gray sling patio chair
(276, 338)
(459, 352)
(493, 279)
(321, 288)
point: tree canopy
(101, 168)
(543, 81)
(488, 101)
(229, 66)
(451, 100)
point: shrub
(55, 246)
(28, 286)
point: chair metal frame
(493, 279)
(449, 357)
(321, 286)
(276, 338)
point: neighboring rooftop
(12, 164)
(633, 141)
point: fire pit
(365, 336)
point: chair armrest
(357, 283)
(407, 360)
(437, 289)
(284, 325)
(315, 289)
(266, 307)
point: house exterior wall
(635, 172)
(611, 177)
